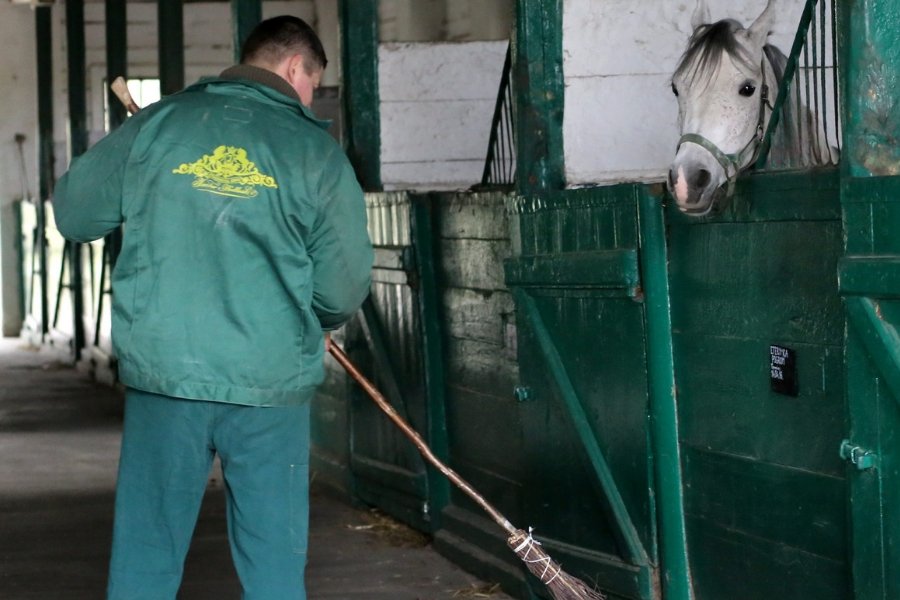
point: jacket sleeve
(339, 246)
(87, 200)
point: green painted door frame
(44, 44)
(538, 91)
(170, 35)
(360, 101)
(245, 15)
(870, 283)
(78, 143)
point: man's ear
(295, 67)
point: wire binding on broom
(560, 584)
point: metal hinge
(862, 458)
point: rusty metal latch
(862, 458)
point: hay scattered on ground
(478, 591)
(390, 531)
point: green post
(359, 89)
(538, 90)
(871, 54)
(78, 140)
(44, 43)
(116, 66)
(675, 576)
(116, 57)
(429, 301)
(245, 15)
(868, 276)
(171, 46)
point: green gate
(758, 337)
(395, 340)
(589, 492)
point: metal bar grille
(805, 128)
(500, 163)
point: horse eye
(747, 90)
(674, 89)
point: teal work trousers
(168, 446)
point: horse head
(724, 85)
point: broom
(561, 585)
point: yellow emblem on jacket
(227, 172)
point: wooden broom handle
(120, 89)
(416, 439)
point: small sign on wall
(783, 370)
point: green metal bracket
(863, 459)
(523, 393)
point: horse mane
(708, 44)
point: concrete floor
(59, 441)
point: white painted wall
(437, 102)
(620, 115)
(18, 91)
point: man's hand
(327, 342)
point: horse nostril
(671, 179)
(703, 178)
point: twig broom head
(560, 584)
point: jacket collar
(268, 83)
(260, 75)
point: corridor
(59, 439)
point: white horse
(726, 82)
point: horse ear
(762, 26)
(701, 15)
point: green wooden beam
(676, 576)
(44, 44)
(424, 237)
(359, 89)
(612, 269)
(78, 143)
(116, 57)
(171, 46)
(538, 90)
(871, 100)
(880, 340)
(245, 15)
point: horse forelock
(708, 45)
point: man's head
(287, 46)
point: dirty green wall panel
(726, 403)
(737, 567)
(808, 508)
(764, 485)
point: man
(244, 239)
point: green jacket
(244, 238)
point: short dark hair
(274, 39)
